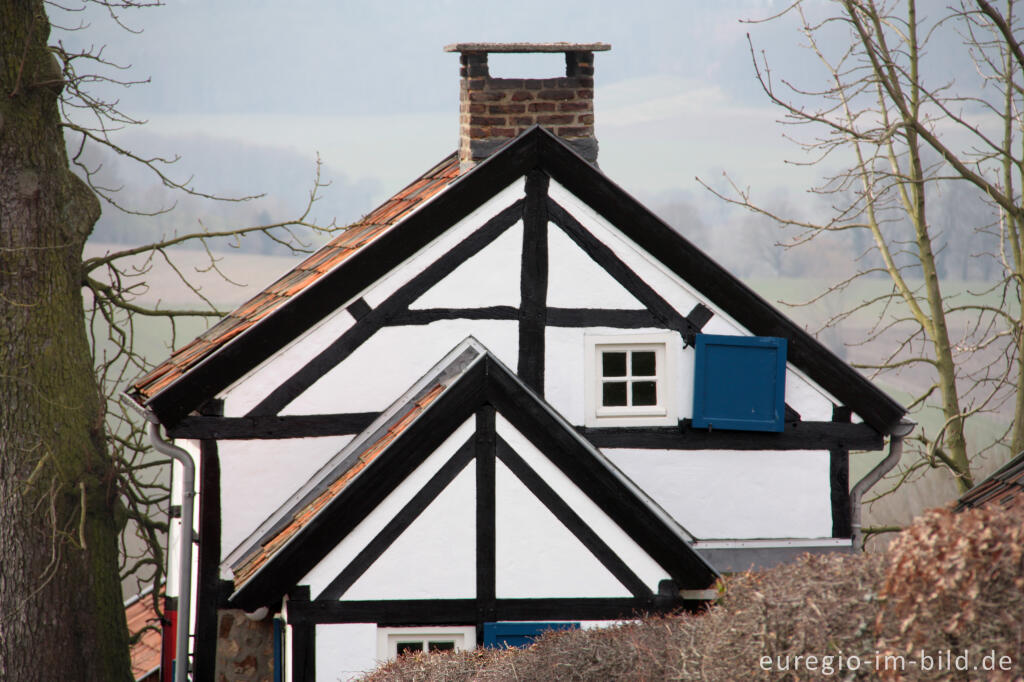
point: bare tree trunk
(61, 616)
(956, 443)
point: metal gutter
(186, 537)
(901, 431)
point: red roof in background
(145, 653)
(1004, 488)
(315, 266)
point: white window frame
(387, 638)
(666, 347)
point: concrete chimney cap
(527, 47)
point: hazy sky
(369, 86)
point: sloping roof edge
(294, 283)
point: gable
(357, 528)
(675, 257)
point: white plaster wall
(646, 568)
(564, 370)
(435, 558)
(805, 398)
(247, 392)
(720, 324)
(576, 281)
(536, 556)
(419, 261)
(258, 476)
(736, 494)
(346, 550)
(814, 402)
(489, 278)
(390, 361)
(345, 651)
(594, 624)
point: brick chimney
(494, 110)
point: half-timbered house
(511, 398)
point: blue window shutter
(511, 635)
(739, 383)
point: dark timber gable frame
(469, 384)
(537, 155)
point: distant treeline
(754, 246)
(224, 168)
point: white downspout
(186, 538)
(901, 431)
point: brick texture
(493, 110)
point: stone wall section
(245, 648)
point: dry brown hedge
(951, 582)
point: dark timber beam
(839, 480)
(264, 427)
(392, 612)
(208, 597)
(533, 282)
(797, 436)
(485, 443)
(556, 317)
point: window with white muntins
(393, 642)
(630, 379)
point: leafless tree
(889, 112)
(74, 470)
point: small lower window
(430, 644)
(393, 642)
(629, 380)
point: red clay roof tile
(143, 620)
(1005, 487)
